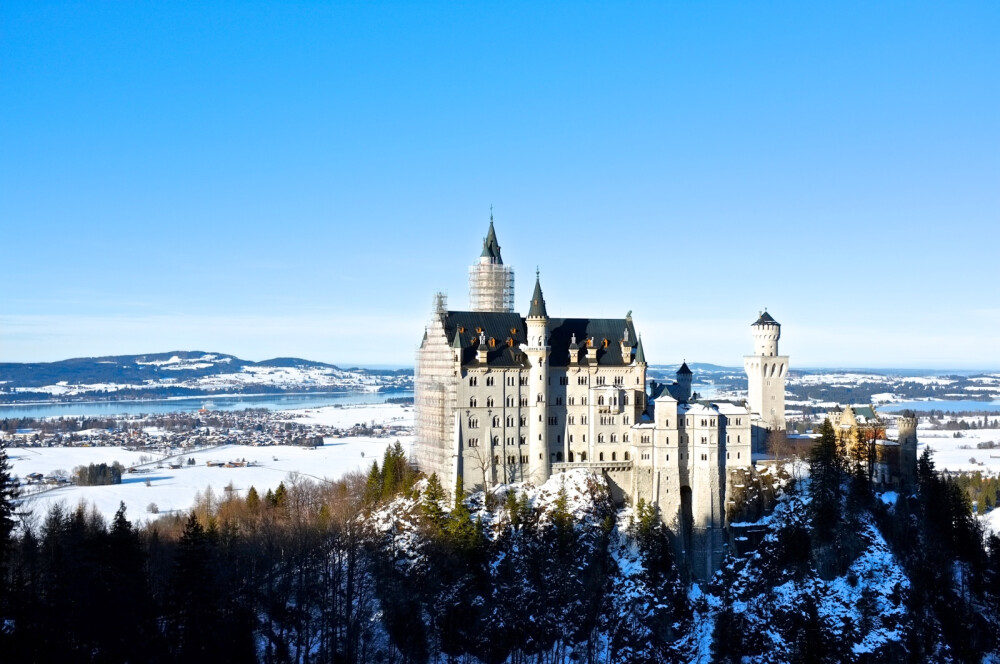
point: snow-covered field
(950, 453)
(175, 489)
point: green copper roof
(491, 248)
(640, 356)
(457, 343)
(537, 309)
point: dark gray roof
(685, 369)
(766, 319)
(640, 356)
(491, 248)
(561, 331)
(537, 309)
(509, 331)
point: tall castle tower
(491, 283)
(537, 350)
(767, 371)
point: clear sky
(298, 179)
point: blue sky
(298, 179)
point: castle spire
(640, 355)
(537, 309)
(491, 248)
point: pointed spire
(491, 248)
(457, 342)
(684, 370)
(537, 309)
(640, 355)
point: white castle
(503, 398)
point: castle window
(524, 421)
(564, 380)
(472, 402)
(614, 438)
(571, 457)
(737, 455)
(625, 420)
(552, 420)
(473, 381)
(626, 456)
(619, 380)
(737, 438)
(600, 437)
(583, 401)
(510, 380)
(584, 436)
(496, 460)
(614, 456)
(625, 400)
(524, 401)
(524, 380)
(510, 440)
(473, 423)
(668, 456)
(583, 456)
(558, 401)
(666, 423)
(704, 457)
(510, 420)
(496, 420)
(600, 400)
(581, 380)
(571, 438)
(601, 456)
(489, 402)
(489, 381)
(583, 419)
(473, 442)
(727, 456)
(624, 437)
(570, 419)
(496, 440)
(558, 456)
(540, 398)
(510, 402)
(524, 458)
(523, 440)
(572, 401)
(645, 439)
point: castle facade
(502, 397)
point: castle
(503, 398)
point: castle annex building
(502, 397)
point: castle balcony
(597, 467)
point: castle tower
(491, 283)
(537, 350)
(766, 372)
(684, 378)
(907, 437)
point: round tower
(766, 332)
(537, 350)
(491, 283)
(766, 374)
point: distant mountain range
(184, 373)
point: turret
(684, 378)
(537, 351)
(907, 437)
(766, 374)
(491, 283)
(766, 331)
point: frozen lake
(191, 404)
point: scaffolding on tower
(491, 287)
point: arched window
(473, 381)
(583, 456)
(600, 437)
(496, 420)
(613, 456)
(489, 381)
(489, 402)
(600, 400)
(571, 457)
(626, 456)
(472, 402)
(601, 456)
(510, 420)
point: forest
(386, 567)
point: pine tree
(253, 499)
(431, 505)
(373, 487)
